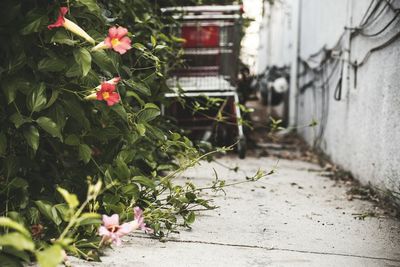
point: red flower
(118, 40)
(108, 94)
(60, 20)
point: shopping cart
(209, 75)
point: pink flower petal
(115, 97)
(113, 32)
(60, 20)
(107, 42)
(63, 10)
(108, 87)
(138, 212)
(124, 229)
(126, 40)
(99, 96)
(125, 45)
(115, 80)
(110, 102)
(103, 231)
(117, 241)
(111, 221)
(119, 49)
(121, 32)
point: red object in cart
(211, 55)
(201, 36)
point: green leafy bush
(57, 147)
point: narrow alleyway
(296, 217)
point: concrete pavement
(296, 217)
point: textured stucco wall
(362, 130)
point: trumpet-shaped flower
(113, 81)
(117, 40)
(138, 222)
(100, 46)
(93, 94)
(108, 94)
(112, 231)
(62, 21)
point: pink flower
(108, 94)
(139, 221)
(118, 40)
(112, 231)
(113, 81)
(93, 94)
(62, 21)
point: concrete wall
(361, 132)
(275, 35)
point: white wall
(361, 132)
(275, 33)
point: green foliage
(54, 143)
(64, 160)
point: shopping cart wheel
(241, 148)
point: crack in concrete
(277, 249)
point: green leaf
(91, 5)
(8, 261)
(160, 47)
(72, 140)
(50, 257)
(74, 70)
(139, 87)
(47, 210)
(131, 190)
(17, 241)
(17, 62)
(10, 90)
(122, 170)
(89, 218)
(7, 222)
(53, 98)
(36, 22)
(141, 129)
(84, 60)
(3, 144)
(139, 46)
(24, 256)
(71, 199)
(12, 85)
(51, 64)
(136, 96)
(120, 110)
(36, 101)
(74, 108)
(153, 41)
(85, 153)
(61, 37)
(18, 120)
(144, 181)
(190, 218)
(49, 126)
(31, 135)
(149, 113)
(64, 211)
(103, 61)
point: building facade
(345, 76)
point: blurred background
(328, 71)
